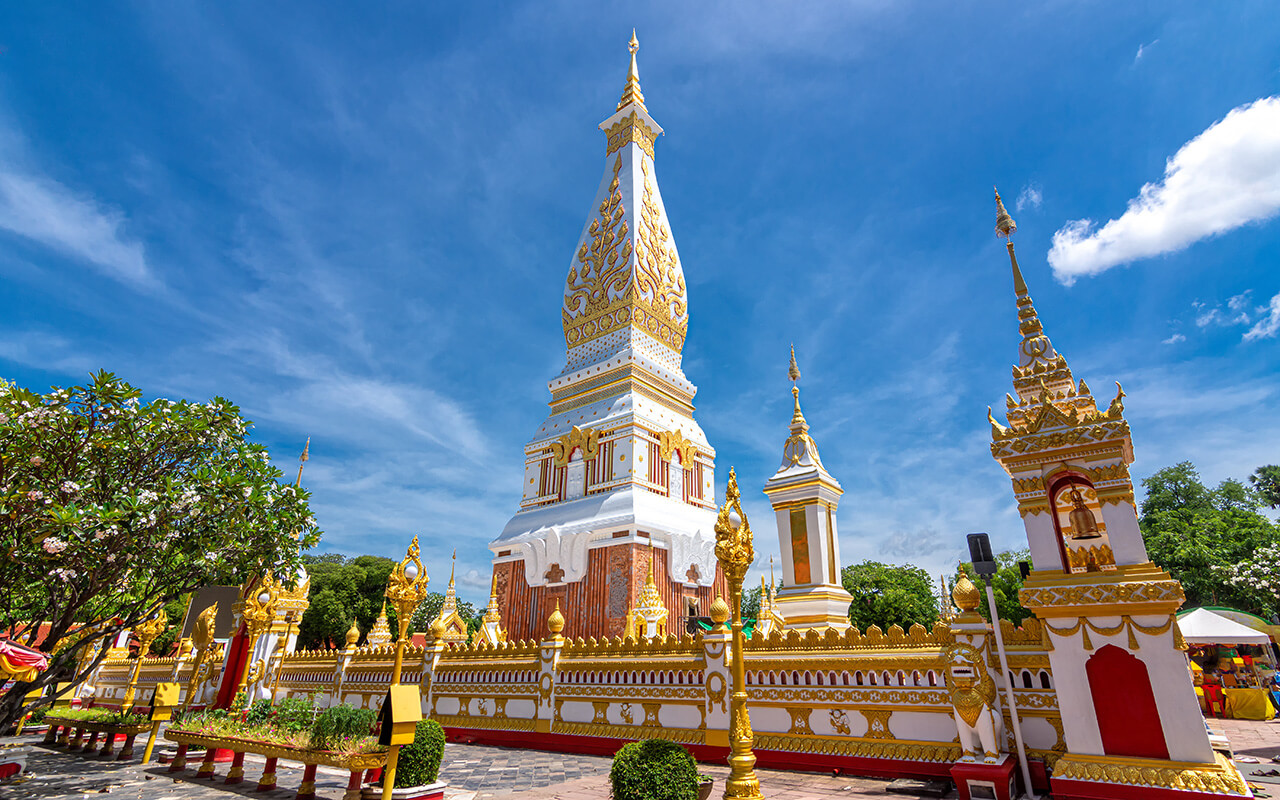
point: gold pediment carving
(563, 448)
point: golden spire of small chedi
(490, 631)
(649, 616)
(768, 619)
(455, 627)
(380, 633)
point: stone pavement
(476, 772)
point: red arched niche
(1125, 705)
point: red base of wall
(1088, 790)
(771, 759)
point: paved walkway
(476, 772)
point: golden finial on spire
(303, 461)
(453, 565)
(1005, 226)
(793, 371)
(631, 91)
(555, 622)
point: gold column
(406, 588)
(735, 554)
(147, 631)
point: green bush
(338, 723)
(258, 712)
(654, 769)
(37, 716)
(419, 763)
(295, 714)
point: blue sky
(356, 224)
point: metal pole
(1008, 690)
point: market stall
(1226, 659)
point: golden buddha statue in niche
(1083, 523)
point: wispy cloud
(1142, 50)
(1226, 177)
(1269, 325)
(1174, 339)
(1029, 197)
(1236, 312)
(73, 223)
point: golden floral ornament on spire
(353, 635)
(562, 448)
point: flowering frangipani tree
(111, 507)
(1259, 576)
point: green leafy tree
(343, 589)
(1196, 532)
(111, 507)
(1004, 584)
(885, 594)
(430, 609)
(1266, 482)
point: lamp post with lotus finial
(406, 589)
(735, 554)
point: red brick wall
(598, 604)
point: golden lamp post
(735, 553)
(146, 631)
(406, 588)
(259, 611)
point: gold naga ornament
(201, 638)
(146, 631)
(735, 553)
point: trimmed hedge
(654, 769)
(419, 763)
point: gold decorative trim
(1220, 777)
(631, 732)
(485, 723)
(630, 128)
(900, 750)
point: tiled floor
(475, 772)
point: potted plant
(705, 784)
(654, 769)
(418, 768)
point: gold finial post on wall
(735, 553)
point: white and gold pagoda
(804, 497)
(620, 463)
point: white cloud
(1142, 50)
(1224, 178)
(1174, 339)
(1237, 312)
(1268, 325)
(1030, 197)
(45, 211)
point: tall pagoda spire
(626, 285)
(620, 455)
(1038, 362)
(631, 91)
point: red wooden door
(1126, 707)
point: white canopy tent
(1202, 626)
